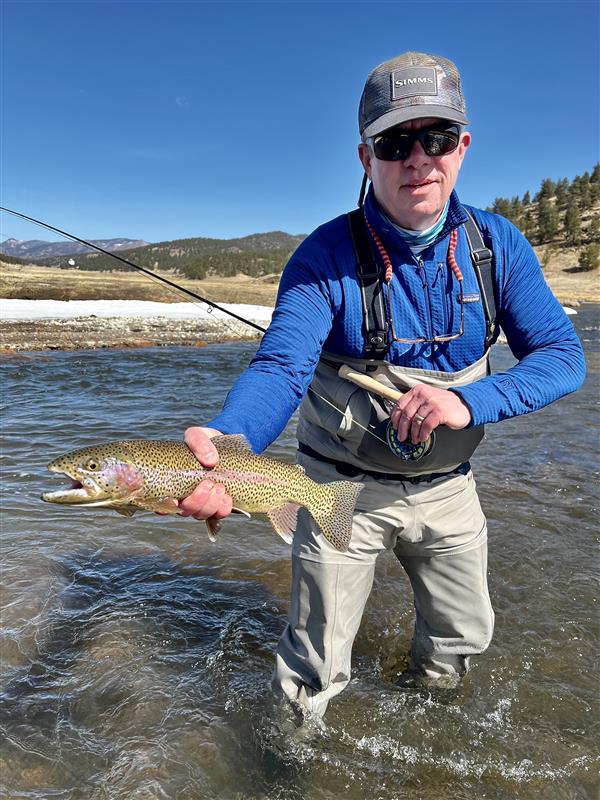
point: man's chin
(420, 215)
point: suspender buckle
(378, 338)
(479, 256)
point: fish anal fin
(284, 519)
(213, 526)
(232, 441)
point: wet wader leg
(314, 653)
(448, 573)
(329, 593)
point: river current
(136, 654)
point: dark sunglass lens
(440, 143)
(392, 148)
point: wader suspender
(482, 264)
(368, 273)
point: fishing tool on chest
(405, 451)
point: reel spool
(405, 451)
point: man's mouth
(417, 184)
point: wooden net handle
(362, 380)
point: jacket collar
(455, 217)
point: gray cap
(410, 86)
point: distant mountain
(37, 249)
(258, 254)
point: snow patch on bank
(70, 309)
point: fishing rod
(149, 272)
(404, 450)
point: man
(408, 297)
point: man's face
(414, 192)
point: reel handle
(362, 380)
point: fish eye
(92, 464)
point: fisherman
(411, 289)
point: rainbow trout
(136, 475)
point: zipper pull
(421, 271)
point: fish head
(104, 475)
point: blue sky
(160, 120)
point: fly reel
(405, 451)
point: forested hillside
(562, 212)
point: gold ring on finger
(419, 418)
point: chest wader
(347, 424)
(426, 510)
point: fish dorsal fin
(284, 519)
(232, 441)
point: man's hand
(423, 408)
(209, 499)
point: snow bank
(69, 309)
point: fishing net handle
(370, 384)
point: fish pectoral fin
(161, 505)
(284, 519)
(241, 511)
(126, 511)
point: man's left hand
(418, 412)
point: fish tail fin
(335, 518)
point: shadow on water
(140, 662)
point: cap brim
(408, 113)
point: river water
(136, 655)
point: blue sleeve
(265, 396)
(538, 332)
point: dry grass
(49, 283)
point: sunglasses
(396, 145)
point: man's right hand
(209, 499)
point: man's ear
(366, 156)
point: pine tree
(548, 220)
(547, 189)
(593, 230)
(516, 211)
(526, 199)
(562, 192)
(528, 224)
(589, 257)
(501, 206)
(572, 224)
(585, 195)
(595, 176)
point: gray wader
(431, 519)
(435, 526)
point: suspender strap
(483, 265)
(370, 280)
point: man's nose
(417, 156)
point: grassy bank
(567, 281)
(49, 283)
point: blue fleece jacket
(319, 308)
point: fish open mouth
(76, 493)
